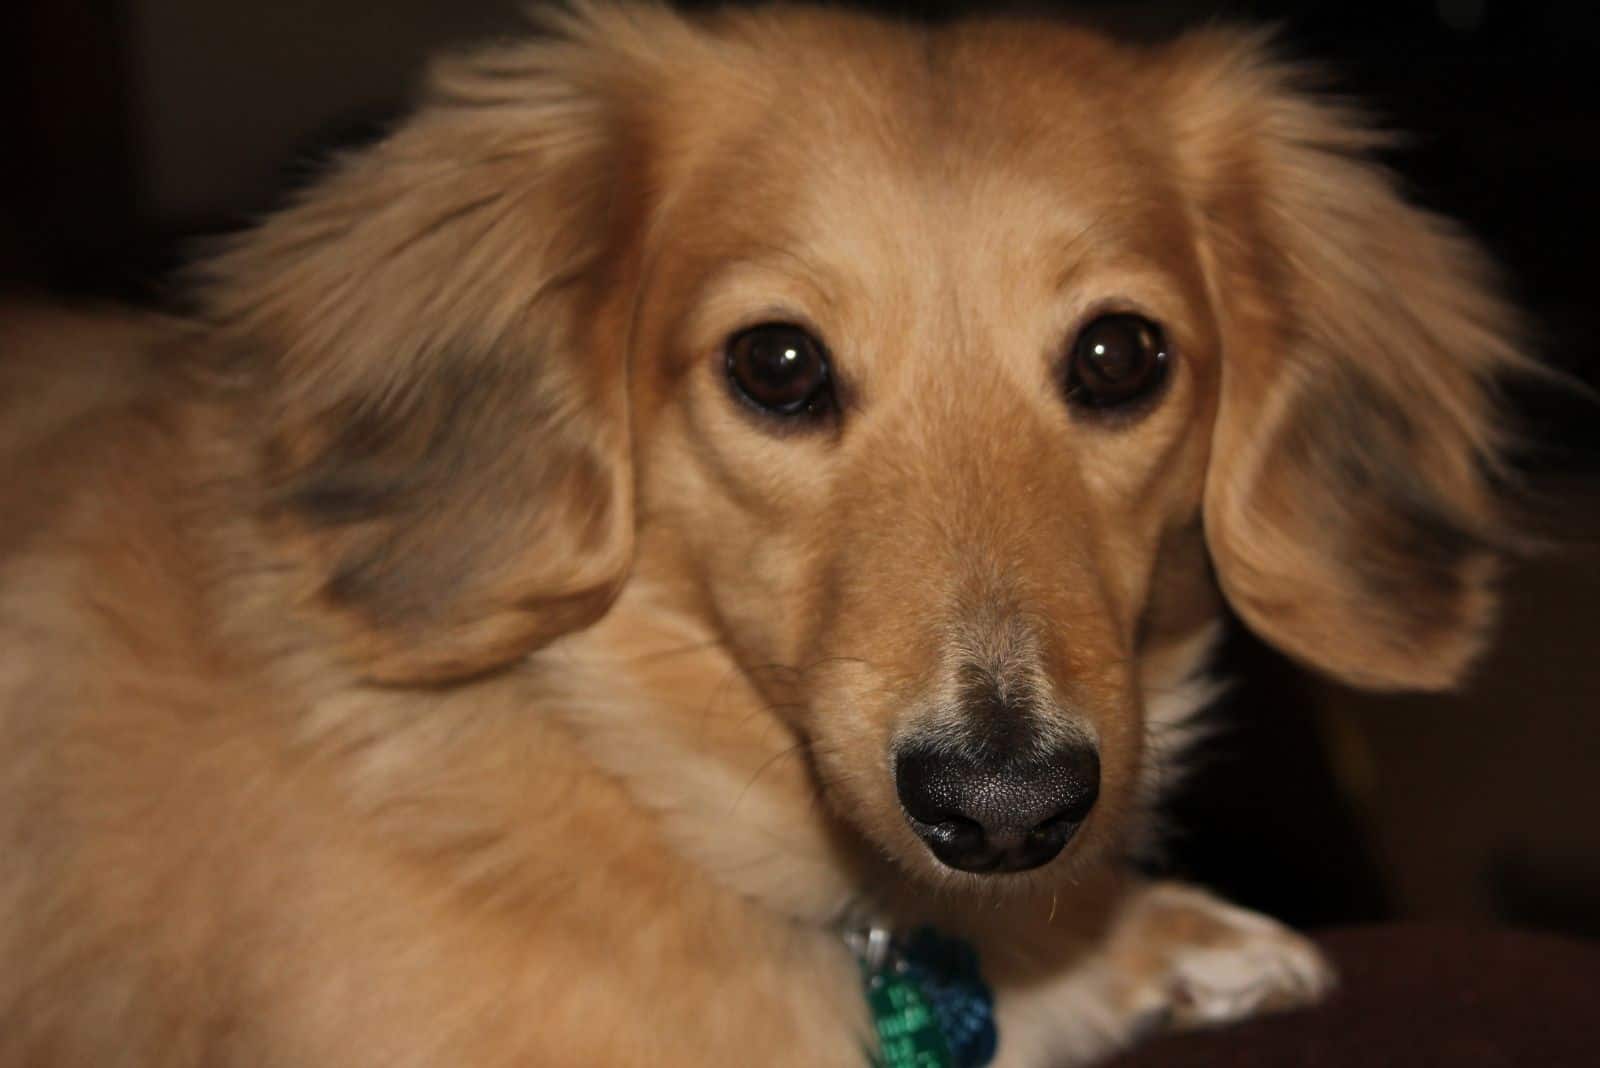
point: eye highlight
(782, 369)
(1115, 360)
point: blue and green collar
(929, 1003)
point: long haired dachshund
(705, 499)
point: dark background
(131, 128)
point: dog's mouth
(991, 813)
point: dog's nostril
(1058, 822)
(980, 813)
(954, 833)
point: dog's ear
(433, 338)
(1350, 504)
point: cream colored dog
(701, 484)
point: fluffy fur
(419, 656)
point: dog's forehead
(962, 155)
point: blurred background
(129, 129)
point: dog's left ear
(433, 341)
(1350, 507)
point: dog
(708, 494)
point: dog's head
(943, 368)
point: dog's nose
(983, 812)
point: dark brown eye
(1115, 360)
(780, 368)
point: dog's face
(933, 370)
(931, 404)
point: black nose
(986, 812)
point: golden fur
(417, 657)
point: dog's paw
(1188, 960)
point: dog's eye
(780, 368)
(1115, 360)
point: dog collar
(930, 1006)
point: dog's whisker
(765, 766)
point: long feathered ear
(433, 341)
(1350, 506)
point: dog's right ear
(433, 340)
